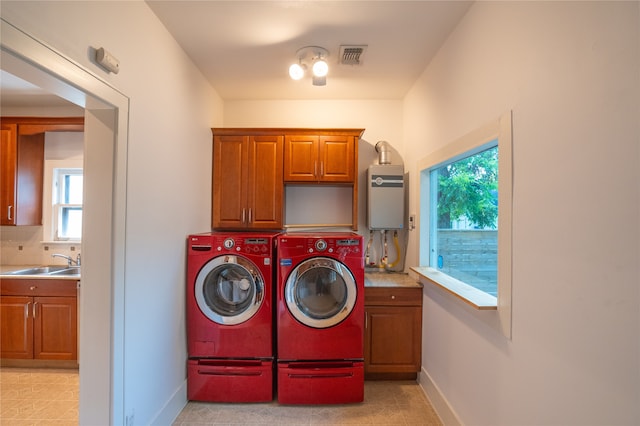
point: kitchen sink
(47, 270)
(73, 270)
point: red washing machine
(320, 318)
(230, 317)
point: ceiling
(244, 48)
(15, 92)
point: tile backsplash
(23, 245)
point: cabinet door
(301, 158)
(229, 187)
(8, 161)
(392, 339)
(336, 154)
(55, 328)
(30, 178)
(16, 340)
(265, 186)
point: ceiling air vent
(352, 55)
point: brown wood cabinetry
(251, 167)
(22, 165)
(393, 332)
(320, 158)
(8, 163)
(247, 181)
(39, 319)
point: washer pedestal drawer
(320, 382)
(226, 380)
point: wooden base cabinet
(393, 332)
(38, 327)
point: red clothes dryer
(320, 318)
(230, 316)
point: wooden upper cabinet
(265, 191)
(229, 181)
(320, 158)
(22, 165)
(8, 163)
(247, 182)
(301, 162)
(251, 167)
(22, 177)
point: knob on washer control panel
(321, 245)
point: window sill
(68, 242)
(470, 295)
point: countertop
(389, 279)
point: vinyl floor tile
(43, 397)
(385, 403)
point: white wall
(570, 72)
(172, 109)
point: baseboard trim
(39, 363)
(438, 401)
(168, 414)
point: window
(463, 229)
(67, 204)
(465, 212)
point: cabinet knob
(33, 287)
(393, 297)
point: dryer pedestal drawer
(324, 382)
(229, 380)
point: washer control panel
(243, 245)
(321, 245)
(343, 246)
(228, 243)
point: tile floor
(38, 397)
(50, 397)
(385, 403)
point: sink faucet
(70, 261)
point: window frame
(474, 142)
(51, 209)
(60, 207)
(433, 198)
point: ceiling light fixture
(296, 71)
(316, 58)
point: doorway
(106, 121)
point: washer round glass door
(229, 289)
(320, 292)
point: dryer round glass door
(320, 292)
(229, 289)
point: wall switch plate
(412, 221)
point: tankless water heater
(385, 183)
